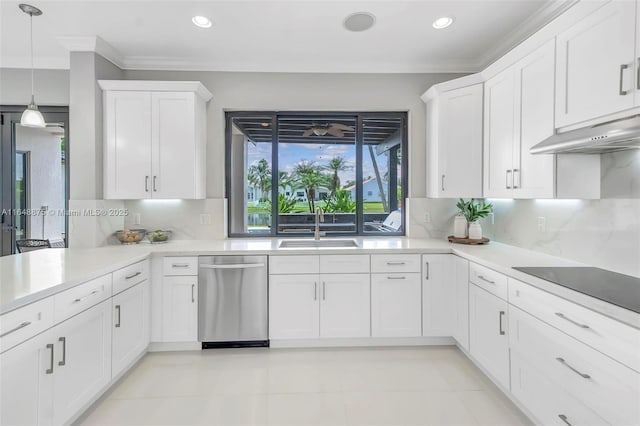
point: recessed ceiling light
(201, 21)
(443, 22)
(360, 21)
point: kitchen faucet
(319, 218)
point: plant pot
(475, 230)
(460, 226)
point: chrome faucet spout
(319, 218)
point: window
(282, 167)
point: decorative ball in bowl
(158, 236)
(131, 236)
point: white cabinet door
(488, 339)
(460, 143)
(534, 175)
(294, 308)
(130, 326)
(461, 281)
(438, 295)
(127, 145)
(82, 365)
(26, 382)
(595, 64)
(173, 145)
(396, 305)
(500, 111)
(180, 309)
(345, 305)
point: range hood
(611, 136)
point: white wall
(51, 87)
(46, 180)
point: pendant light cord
(31, 48)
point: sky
(289, 154)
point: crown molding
(92, 44)
(547, 13)
(157, 86)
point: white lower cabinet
(396, 305)
(345, 305)
(130, 326)
(460, 281)
(313, 306)
(180, 309)
(294, 310)
(488, 335)
(438, 295)
(26, 391)
(82, 360)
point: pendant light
(31, 117)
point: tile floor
(347, 386)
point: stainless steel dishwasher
(232, 301)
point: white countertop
(28, 277)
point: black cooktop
(618, 289)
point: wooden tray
(453, 239)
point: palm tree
(309, 176)
(259, 175)
(285, 180)
(336, 164)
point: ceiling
(268, 35)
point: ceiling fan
(333, 129)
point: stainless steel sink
(329, 243)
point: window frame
(360, 118)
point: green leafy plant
(341, 203)
(474, 209)
(285, 204)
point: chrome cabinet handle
(500, 320)
(146, 184)
(128, 277)
(64, 351)
(21, 326)
(179, 265)
(395, 263)
(50, 369)
(514, 178)
(154, 184)
(486, 279)
(315, 290)
(564, 419)
(442, 184)
(622, 68)
(80, 299)
(396, 278)
(193, 297)
(507, 179)
(117, 316)
(427, 276)
(324, 290)
(563, 362)
(564, 317)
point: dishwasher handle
(234, 266)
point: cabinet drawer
(609, 388)
(545, 400)
(77, 299)
(130, 275)
(383, 263)
(24, 323)
(490, 280)
(179, 266)
(611, 337)
(350, 264)
(294, 264)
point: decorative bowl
(158, 236)
(130, 236)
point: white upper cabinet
(154, 139)
(596, 65)
(454, 143)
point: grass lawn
(369, 207)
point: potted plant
(473, 210)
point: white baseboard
(174, 346)
(361, 342)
